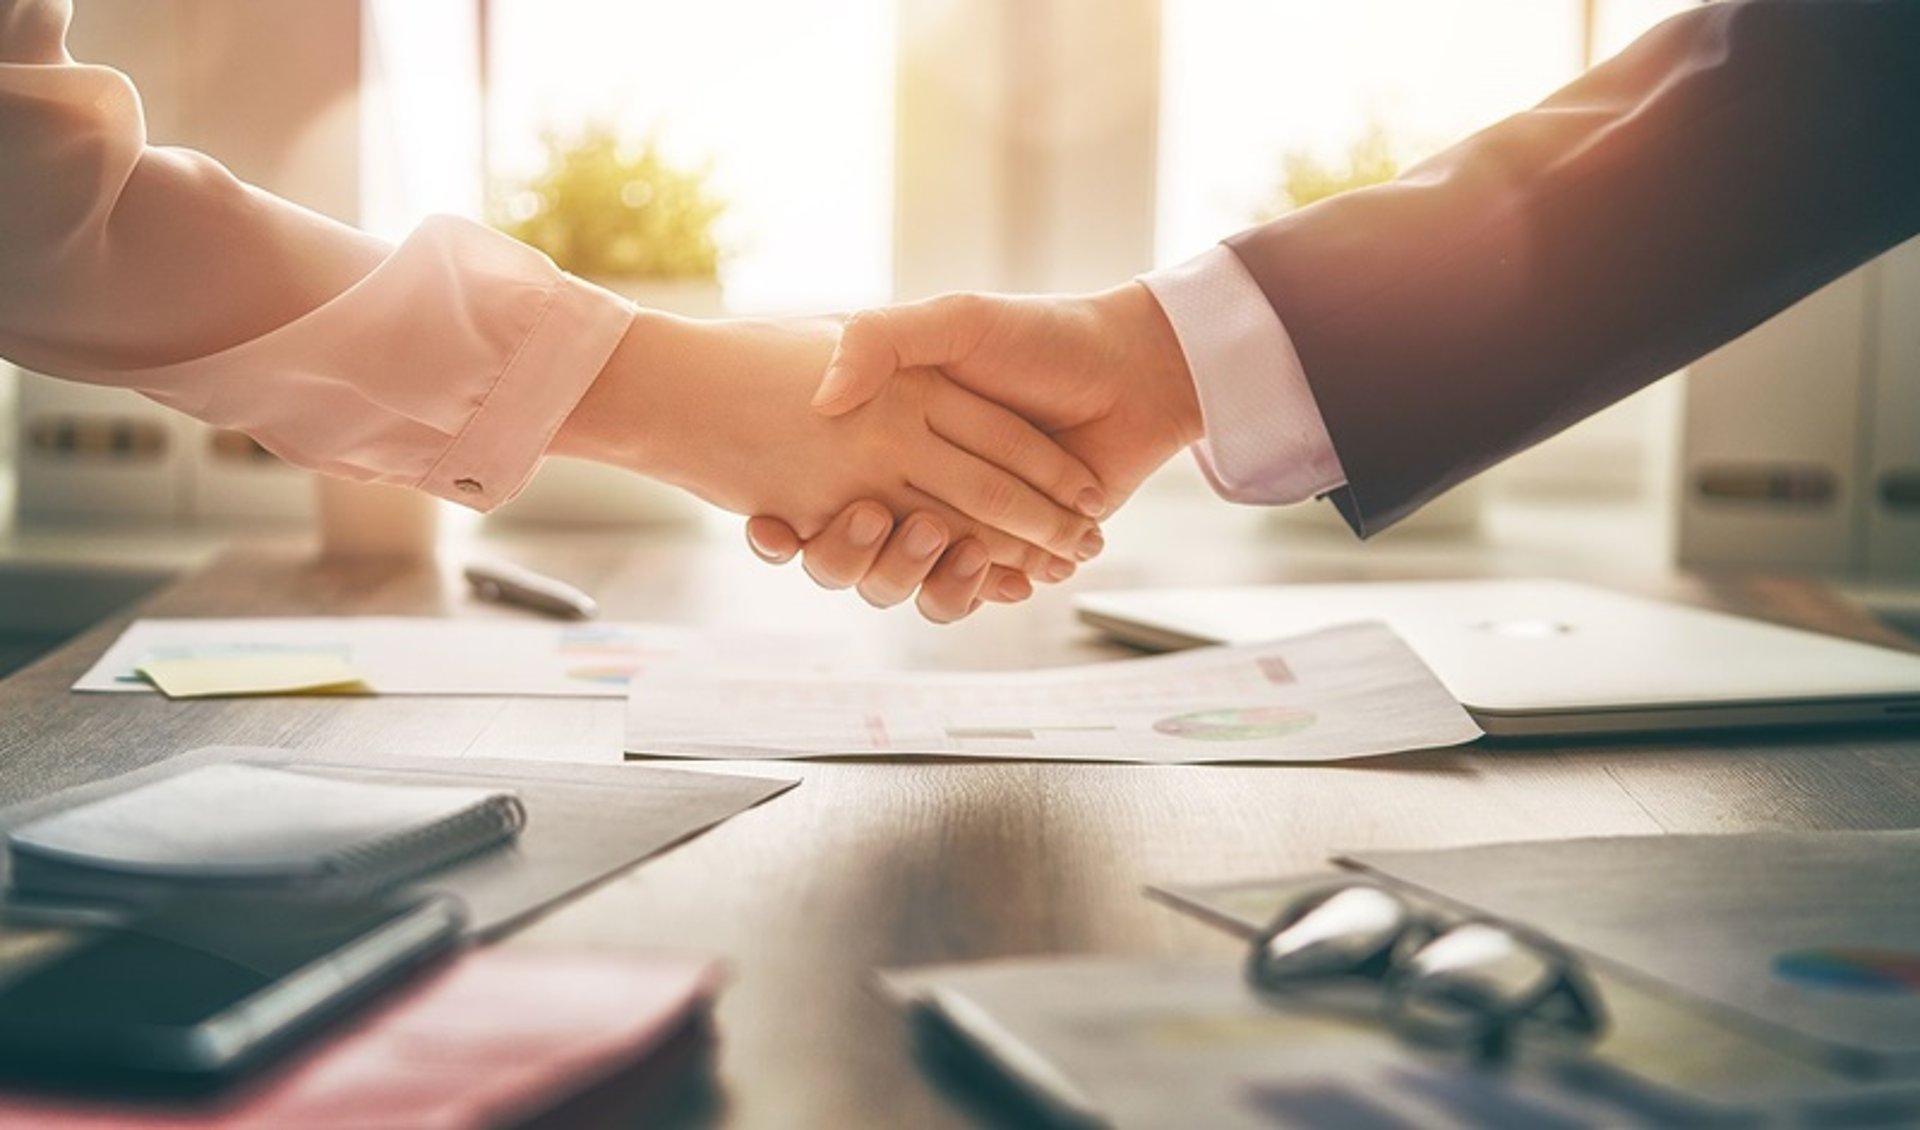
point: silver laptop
(1530, 658)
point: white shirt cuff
(1265, 441)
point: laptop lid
(1536, 657)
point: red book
(496, 1037)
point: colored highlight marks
(1845, 970)
(612, 675)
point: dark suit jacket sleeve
(1729, 162)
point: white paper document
(1662, 1040)
(423, 656)
(1146, 1045)
(1351, 691)
(1812, 936)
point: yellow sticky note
(236, 675)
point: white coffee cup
(361, 520)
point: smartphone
(193, 993)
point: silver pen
(505, 583)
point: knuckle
(1008, 442)
(862, 325)
(963, 306)
(1067, 480)
(999, 499)
(1068, 530)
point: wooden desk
(870, 865)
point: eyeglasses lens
(1474, 982)
(1349, 932)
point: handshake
(962, 448)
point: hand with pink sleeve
(721, 408)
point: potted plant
(624, 216)
(1305, 179)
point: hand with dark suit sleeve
(1727, 163)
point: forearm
(1728, 163)
(443, 364)
(119, 255)
(659, 406)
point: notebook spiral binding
(389, 860)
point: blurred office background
(796, 155)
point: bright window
(1247, 82)
(790, 100)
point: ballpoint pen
(505, 583)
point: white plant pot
(573, 492)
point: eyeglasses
(1474, 984)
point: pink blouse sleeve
(445, 363)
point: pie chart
(1248, 724)
(1845, 970)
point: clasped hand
(964, 447)
(1100, 376)
(941, 473)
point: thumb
(876, 344)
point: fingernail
(830, 385)
(866, 528)
(923, 540)
(1091, 503)
(1058, 570)
(1015, 587)
(761, 551)
(1091, 545)
(969, 561)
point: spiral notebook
(252, 828)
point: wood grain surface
(869, 865)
